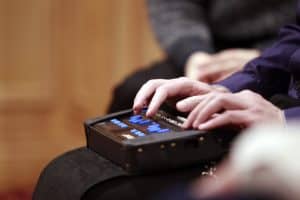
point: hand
(212, 68)
(155, 92)
(195, 64)
(216, 109)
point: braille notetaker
(163, 142)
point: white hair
(267, 159)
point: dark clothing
(183, 27)
(125, 92)
(83, 174)
(277, 71)
(70, 175)
(144, 187)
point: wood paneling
(59, 60)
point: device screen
(133, 126)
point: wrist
(282, 117)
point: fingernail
(148, 113)
(135, 110)
(181, 104)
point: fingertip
(135, 111)
(139, 103)
(195, 125)
(186, 124)
(134, 106)
(181, 106)
(149, 113)
(153, 108)
(137, 108)
(201, 127)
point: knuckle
(221, 98)
(162, 89)
(246, 92)
(180, 79)
(214, 93)
(230, 115)
(186, 81)
(151, 82)
(256, 109)
(249, 94)
(154, 81)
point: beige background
(59, 60)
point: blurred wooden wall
(59, 60)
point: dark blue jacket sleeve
(271, 73)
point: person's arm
(292, 113)
(180, 28)
(271, 72)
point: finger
(195, 61)
(207, 110)
(160, 95)
(144, 94)
(207, 74)
(226, 54)
(245, 54)
(179, 87)
(229, 67)
(220, 102)
(174, 87)
(192, 116)
(189, 103)
(220, 69)
(232, 117)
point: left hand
(154, 92)
(216, 109)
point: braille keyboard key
(136, 117)
(154, 125)
(153, 130)
(123, 125)
(137, 132)
(141, 134)
(118, 123)
(144, 122)
(165, 130)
